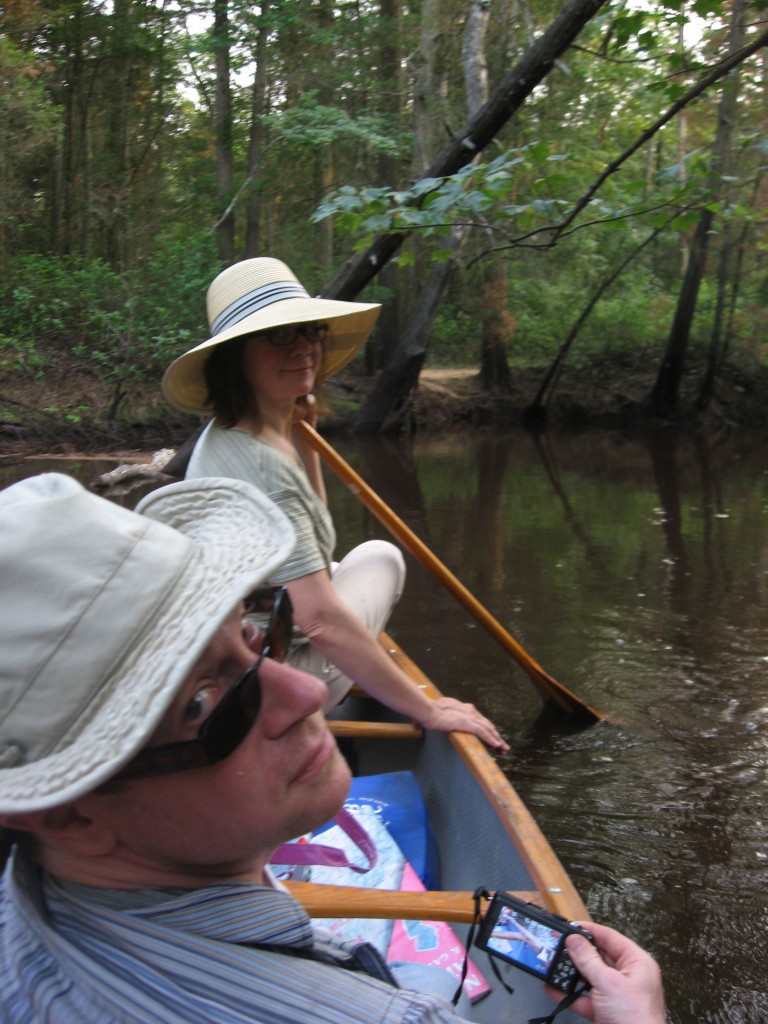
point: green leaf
(379, 222)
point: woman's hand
(626, 981)
(446, 714)
(305, 408)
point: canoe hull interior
(474, 847)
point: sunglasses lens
(234, 715)
(278, 636)
(275, 602)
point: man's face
(285, 778)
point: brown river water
(635, 571)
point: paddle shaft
(550, 688)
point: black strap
(363, 957)
(477, 895)
(562, 1005)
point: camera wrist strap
(477, 895)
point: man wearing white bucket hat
(152, 756)
(270, 345)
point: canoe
(485, 837)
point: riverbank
(600, 396)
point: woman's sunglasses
(284, 337)
(235, 714)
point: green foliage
(172, 288)
(29, 127)
(432, 206)
(68, 315)
(455, 340)
(310, 123)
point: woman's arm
(343, 639)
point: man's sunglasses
(235, 714)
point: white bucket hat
(104, 614)
(257, 295)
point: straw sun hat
(105, 612)
(257, 295)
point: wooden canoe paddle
(552, 691)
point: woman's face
(284, 363)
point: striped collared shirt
(71, 954)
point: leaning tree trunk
(516, 87)
(388, 404)
(390, 398)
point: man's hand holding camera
(625, 980)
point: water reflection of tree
(552, 470)
(491, 456)
(389, 467)
(662, 450)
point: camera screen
(523, 940)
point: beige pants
(369, 580)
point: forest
(551, 196)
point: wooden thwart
(376, 730)
(359, 902)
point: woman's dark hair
(228, 390)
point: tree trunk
(256, 141)
(379, 350)
(496, 325)
(325, 155)
(116, 141)
(665, 395)
(388, 404)
(728, 115)
(393, 388)
(401, 334)
(225, 230)
(716, 341)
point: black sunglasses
(283, 337)
(235, 714)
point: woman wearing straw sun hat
(271, 344)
